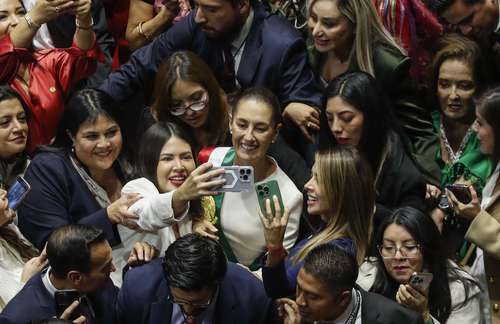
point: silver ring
(57, 9)
(309, 125)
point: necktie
(87, 310)
(229, 75)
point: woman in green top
(456, 79)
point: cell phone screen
(17, 192)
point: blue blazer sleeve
(58, 197)
(139, 72)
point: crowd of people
(253, 161)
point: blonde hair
(369, 30)
(346, 180)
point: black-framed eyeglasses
(205, 304)
(388, 251)
(194, 106)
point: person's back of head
(329, 274)
(194, 262)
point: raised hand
(468, 211)
(141, 253)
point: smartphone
(268, 190)
(238, 178)
(461, 192)
(421, 280)
(64, 298)
(17, 192)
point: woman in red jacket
(44, 78)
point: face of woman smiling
(11, 12)
(316, 202)
(175, 164)
(329, 28)
(13, 128)
(98, 144)
(186, 93)
(252, 130)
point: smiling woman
(79, 179)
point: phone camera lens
(266, 189)
(242, 171)
(245, 177)
(248, 171)
(259, 187)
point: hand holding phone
(238, 178)
(64, 299)
(266, 191)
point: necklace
(452, 155)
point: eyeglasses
(194, 106)
(406, 251)
(194, 304)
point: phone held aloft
(461, 192)
(238, 178)
(268, 190)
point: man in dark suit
(80, 260)
(191, 284)
(326, 291)
(244, 45)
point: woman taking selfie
(355, 115)
(340, 177)
(45, 78)
(174, 192)
(255, 123)
(408, 242)
(19, 259)
(485, 214)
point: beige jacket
(484, 231)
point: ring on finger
(309, 124)
(57, 9)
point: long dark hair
(488, 107)
(360, 90)
(424, 231)
(152, 141)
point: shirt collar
(48, 284)
(242, 36)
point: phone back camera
(245, 177)
(242, 171)
(248, 171)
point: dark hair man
(80, 260)
(326, 291)
(193, 283)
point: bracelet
(89, 27)
(141, 31)
(31, 24)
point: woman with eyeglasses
(408, 241)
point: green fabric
(256, 264)
(472, 164)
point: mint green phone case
(267, 190)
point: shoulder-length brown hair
(187, 66)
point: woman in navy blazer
(71, 180)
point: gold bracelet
(31, 24)
(89, 27)
(141, 31)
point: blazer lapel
(252, 51)
(160, 312)
(369, 311)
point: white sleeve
(154, 208)
(469, 312)
(292, 199)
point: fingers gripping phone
(17, 192)
(461, 192)
(63, 299)
(268, 190)
(238, 178)
(421, 280)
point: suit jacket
(377, 309)
(241, 299)
(34, 303)
(484, 231)
(274, 56)
(58, 197)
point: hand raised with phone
(203, 181)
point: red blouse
(52, 73)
